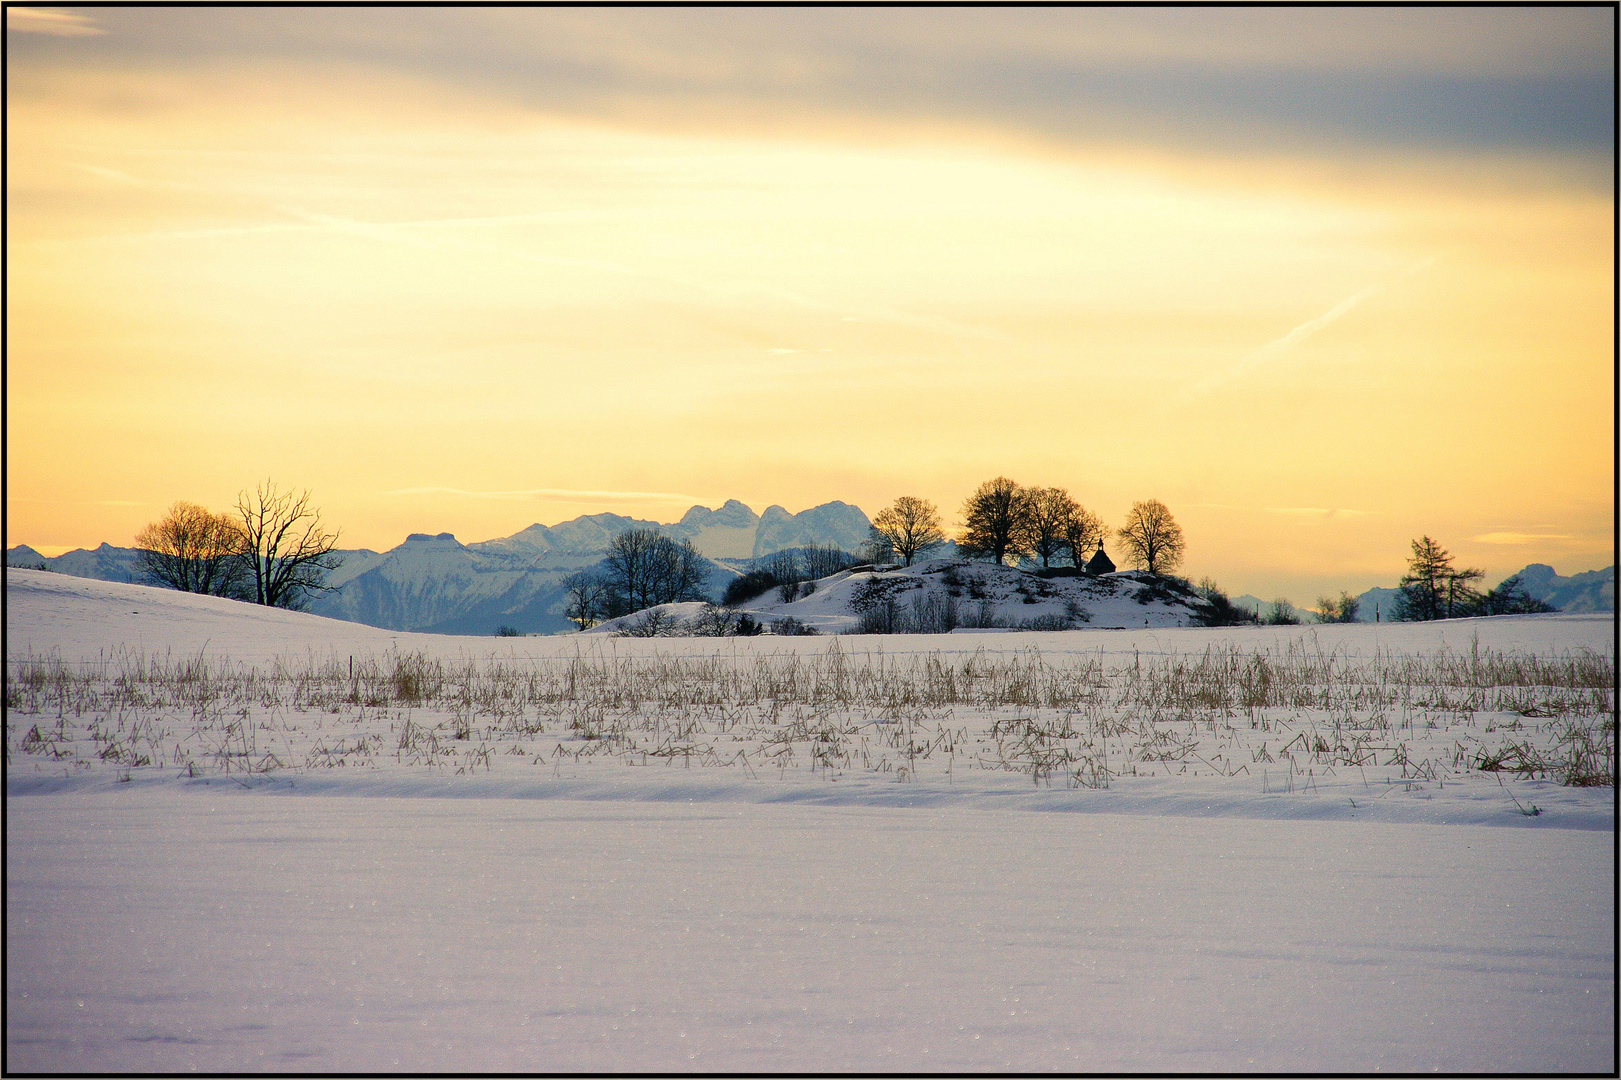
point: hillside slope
(943, 595)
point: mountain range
(1592, 590)
(434, 583)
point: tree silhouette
(911, 526)
(287, 552)
(1152, 538)
(194, 550)
(996, 521)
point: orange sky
(448, 301)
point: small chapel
(1099, 563)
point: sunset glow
(469, 270)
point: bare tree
(713, 621)
(1082, 533)
(194, 550)
(1152, 538)
(644, 568)
(286, 551)
(629, 569)
(1051, 510)
(654, 622)
(678, 571)
(877, 550)
(996, 521)
(824, 560)
(1342, 610)
(911, 526)
(584, 593)
(783, 568)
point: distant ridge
(1590, 591)
(432, 582)
(731, 532)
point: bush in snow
(1282, 613)
(1342, 610)
(752, 584)
(651, 623)
(983, 617)
(788, 626)
(824, 560)
(883, 617)
(714, 621)
(875, 591)
(1048, 622)
(933, 613)
(1218, 610)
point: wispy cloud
(556, 495)
(1272, 350)
(411, 233)
(1320, 511)
(1515, 538)
(54, 23)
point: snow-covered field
(250, 839)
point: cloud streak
(1272, 350)
(51, 23)
(1518, 538)
(1320, 511)
(405, 232)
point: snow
(175, 929)
(641, 897)
(1007, 597)
(82, 618)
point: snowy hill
(956, 595)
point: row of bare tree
(1005, 521)
(643, 568)
(271, 550)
